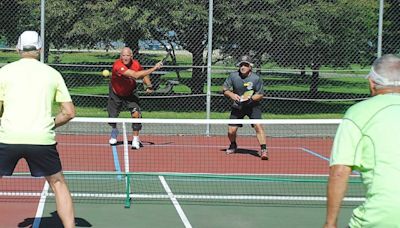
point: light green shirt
(28, 89)
(368, 140)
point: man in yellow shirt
(28, 89)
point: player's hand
(158, 65)
(149, 90)
(235, 97)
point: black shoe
(232, 148)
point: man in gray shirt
(245, 89)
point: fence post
(209, 61)
(380, 28)
(42, 29)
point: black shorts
(43, 160)
(116, 102)
(253, 112)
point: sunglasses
(244, 64)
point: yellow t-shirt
(28, 89)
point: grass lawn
(333, 83)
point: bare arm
(66, 113)
(147, 82)
(257, 97)
(143, 73)
(231, 95)
(337, 186)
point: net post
(127, 191)
(126, 165)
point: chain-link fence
(311, 54)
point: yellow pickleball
(105, 73)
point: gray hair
(30, 54)
(385, 71)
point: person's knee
(258, 128)
(135, 114)
(232, 131)
(56, 179)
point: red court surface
(183, 154)
(194, 154)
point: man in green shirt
(28, 89)
(367, 141)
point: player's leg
(113, 108)
(256, 113)
(232, 133)
(9, 157)
(232, 130)
(65, 209)
(44, 160)
(133, 105)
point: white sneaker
(113, 141)
(135, 145)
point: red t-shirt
(122, 85)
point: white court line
(175, 203)
(316, 154)
(42, 201)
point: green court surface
(156, 206)
(163, 214)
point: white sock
(136, 138)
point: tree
(8, 18)
(302, 33)
(391, 30)
(325, 33)
(244, 27)
(17, 16)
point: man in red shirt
(122, 90)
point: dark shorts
(115, 104)
(43, 160)
(253, 112)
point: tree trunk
(314, 79)
(132, 41)
(303, 73)
(196, 84)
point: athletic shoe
(136, 145)
(264, 154)
(113, 141)
(114, 135)
(232, 148)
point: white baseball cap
(29, 41)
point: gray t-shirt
(252, 84)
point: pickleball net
(185, 159)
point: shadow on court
(148, 143)
(245, 151)
(53, 222)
